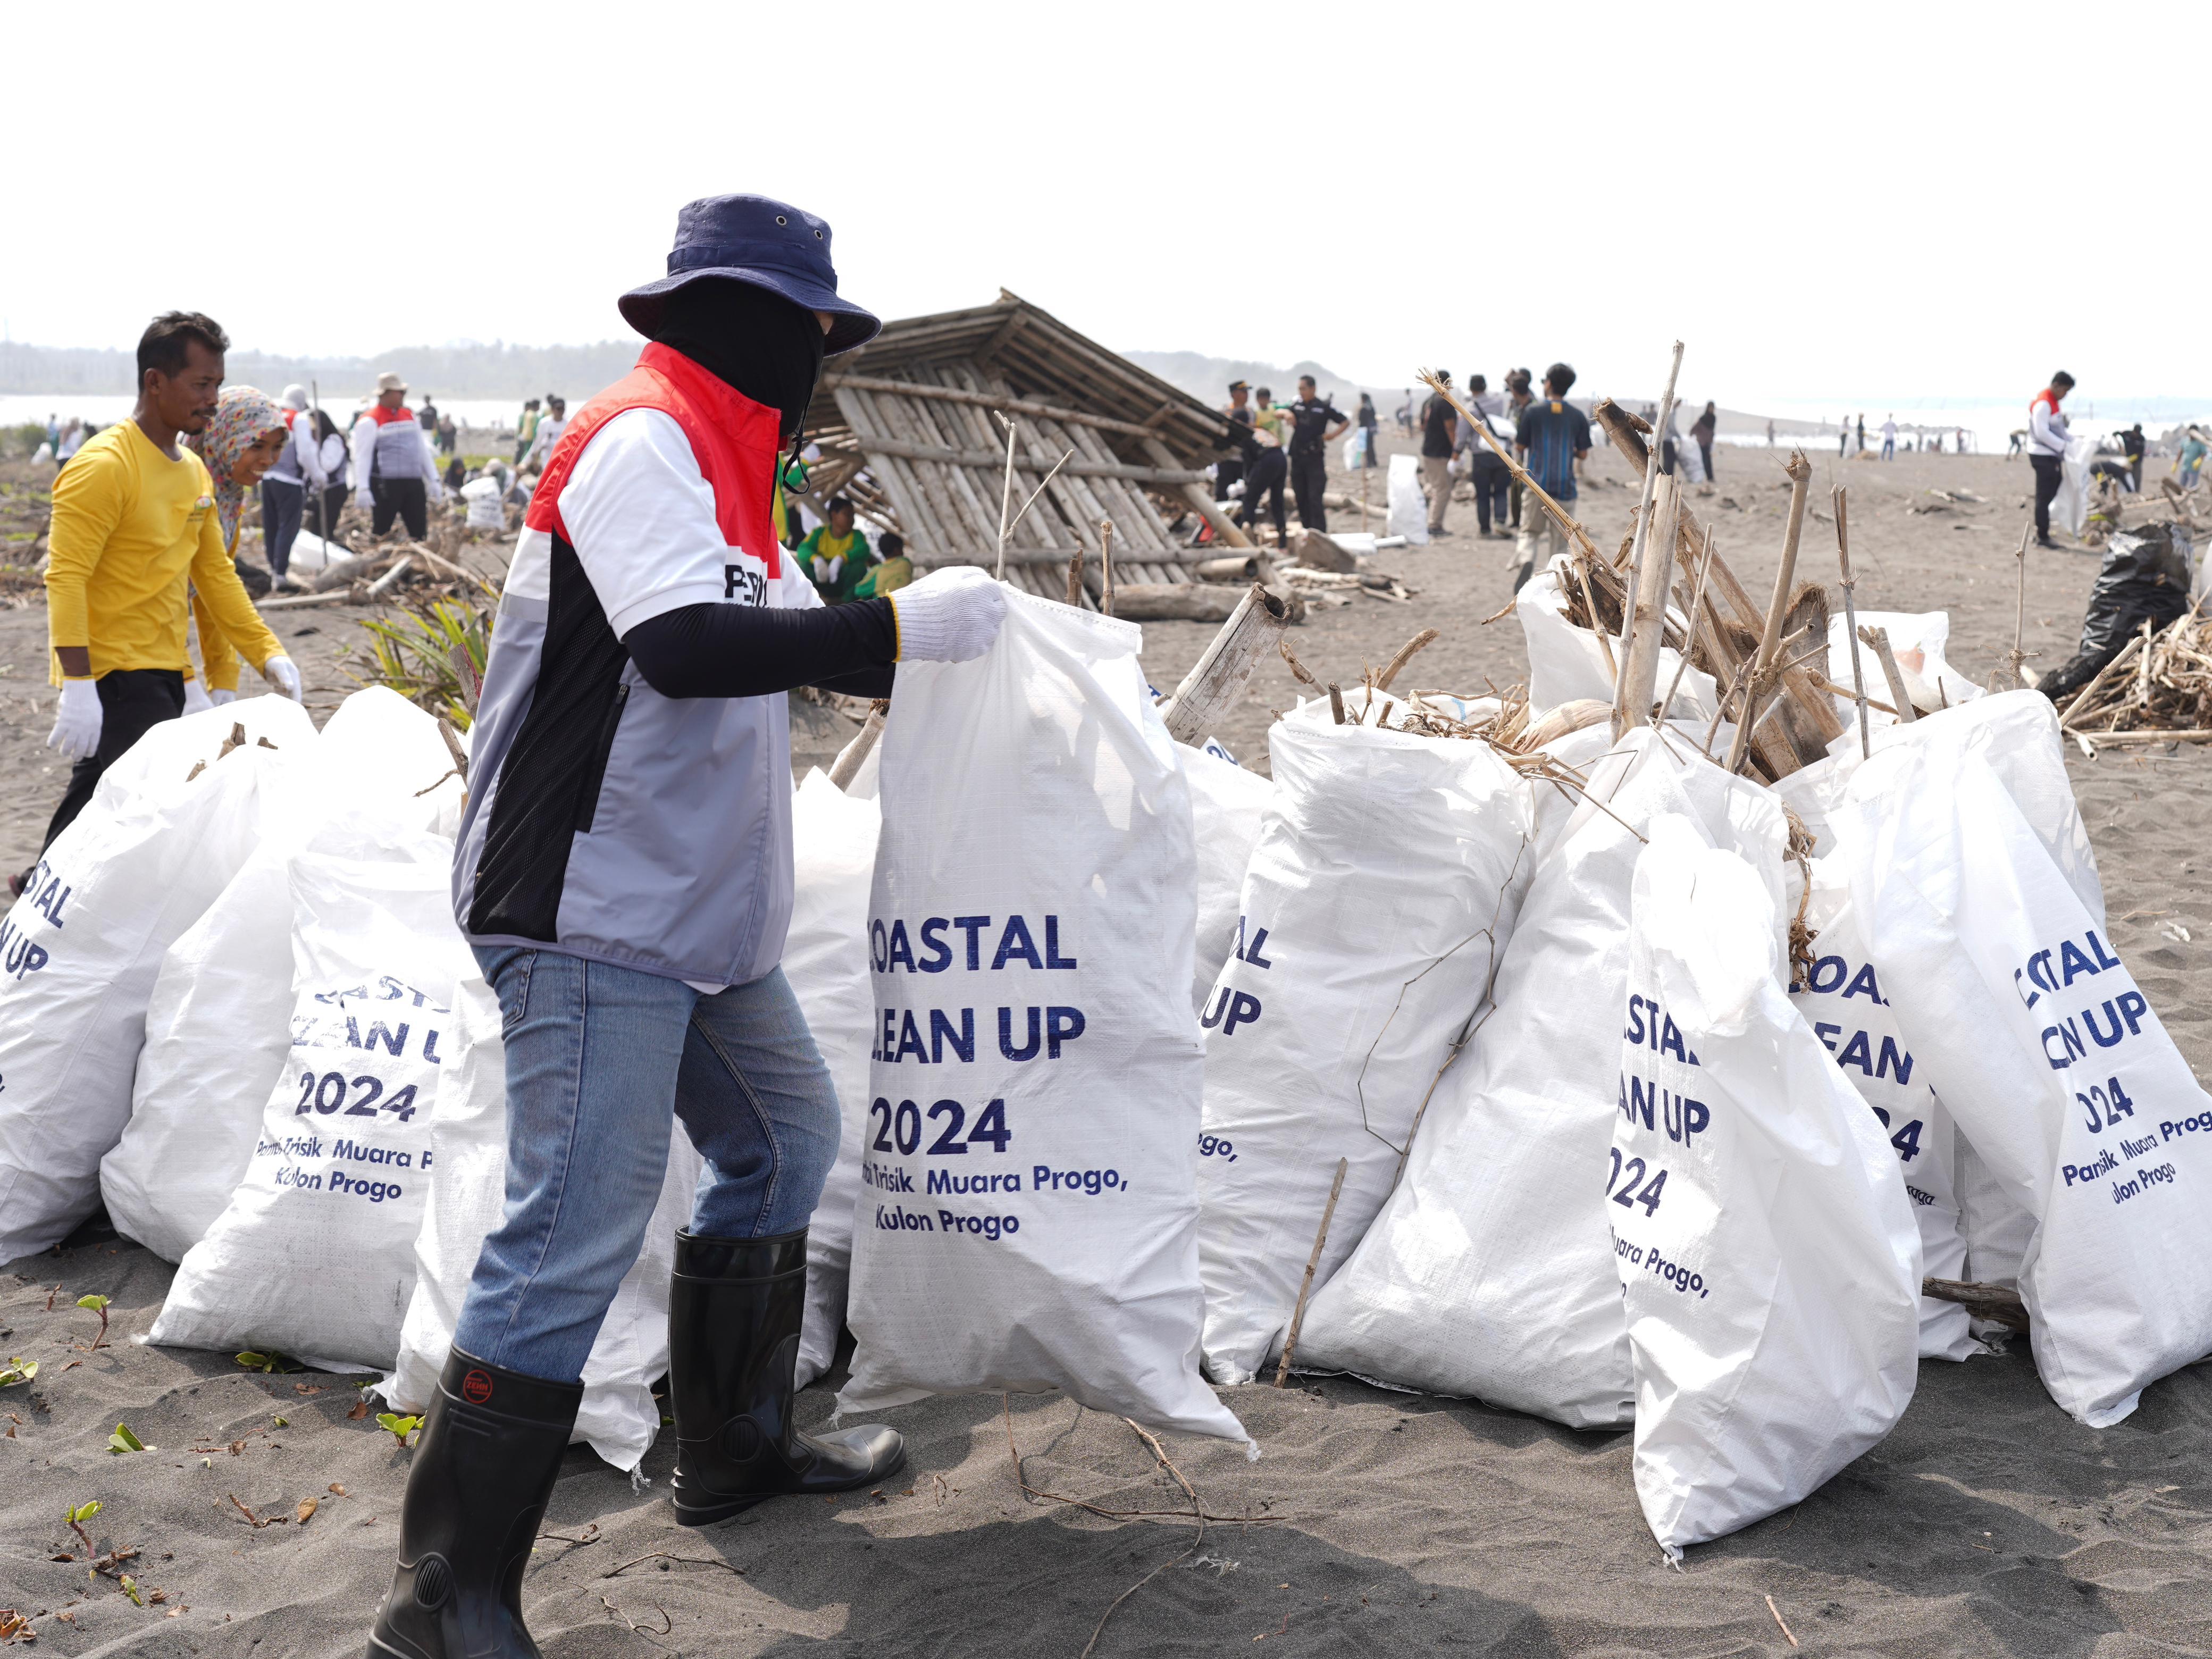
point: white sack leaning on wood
(314, 1255)
(1027, 1218)
(1490, 1270)
(1768, 1258)
(2045, 1050)
(825, 958)
(618, 1417)
(170, 824)
(1382, 886)
(1567, 664)
(218, 1022)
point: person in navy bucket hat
(623, 874)
(768, 244)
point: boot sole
(706, 1515)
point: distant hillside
(497, 370)
(1207, 377)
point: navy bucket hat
(769, 244)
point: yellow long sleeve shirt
(133, 530)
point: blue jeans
(598, 1058)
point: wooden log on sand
(1207, 601)
(1209, 694)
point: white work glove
(196, 697)
(218, 697)
(77, 723)
(953, 616)
(282, 675)
(830, 569)
(363, 500)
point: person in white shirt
(1889, 437)
(549, 428)
(284, 487)
(2046, 450)
(395, 469)
(486, 495)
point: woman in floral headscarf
(243, 440)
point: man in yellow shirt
(135, 533)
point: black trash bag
(2145, 578)
(258, 581)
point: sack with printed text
(1383, 885)
(1226, 805)
(1842, 1001)
(314, 1255)
(618, 1416)
(1490, 1270)
(1027, 1219)
(218, 1018)
(169, 825)
(2050, 1058)
(825, 958)
(1769, 1262)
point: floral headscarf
(241, 415)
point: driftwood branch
(847, 766)
(1651, 473)
(1426, 637)
(1800, 473)
(1878, 639)
(1643, 622)
(1313, 1261)
(1995, 1302)
(1850, 585)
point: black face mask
(765, 347)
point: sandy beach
(1375, 1522)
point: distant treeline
(497, 370)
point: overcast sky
(1862, 200)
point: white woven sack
(314, 1255)
(1226, 805)
(218, 1020)
(1027, 1219)
(1382, 887)
(2050, 1058)
(81, 949)
(1842, 1001)
(1408, 508)
(1768, 1258)
(1490, 1270)
(618, 1417)
(1566, 663)
(825, 958)
(1916, 639)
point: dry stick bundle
(1849, 584)
(1442, 387)
(1651, 471)
(1644, 620)
(1878, 639)
(1426, 637)
(1800, 472)
(1696, 603)
(1313, 1261)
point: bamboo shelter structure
(913, 430)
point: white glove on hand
(951, 617)
(218, 697)
(363, 500)
(196, 697)
(76, 724)
(282, 675)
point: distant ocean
(1988, 426)
(18, 408)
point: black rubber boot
(734, 1310)
(483, 1471)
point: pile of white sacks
(1107, 1015)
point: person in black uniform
(1316, 423)
(1264, 465)
(2132, 444)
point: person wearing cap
(284, 487)
(623, 872)
(395, 470)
